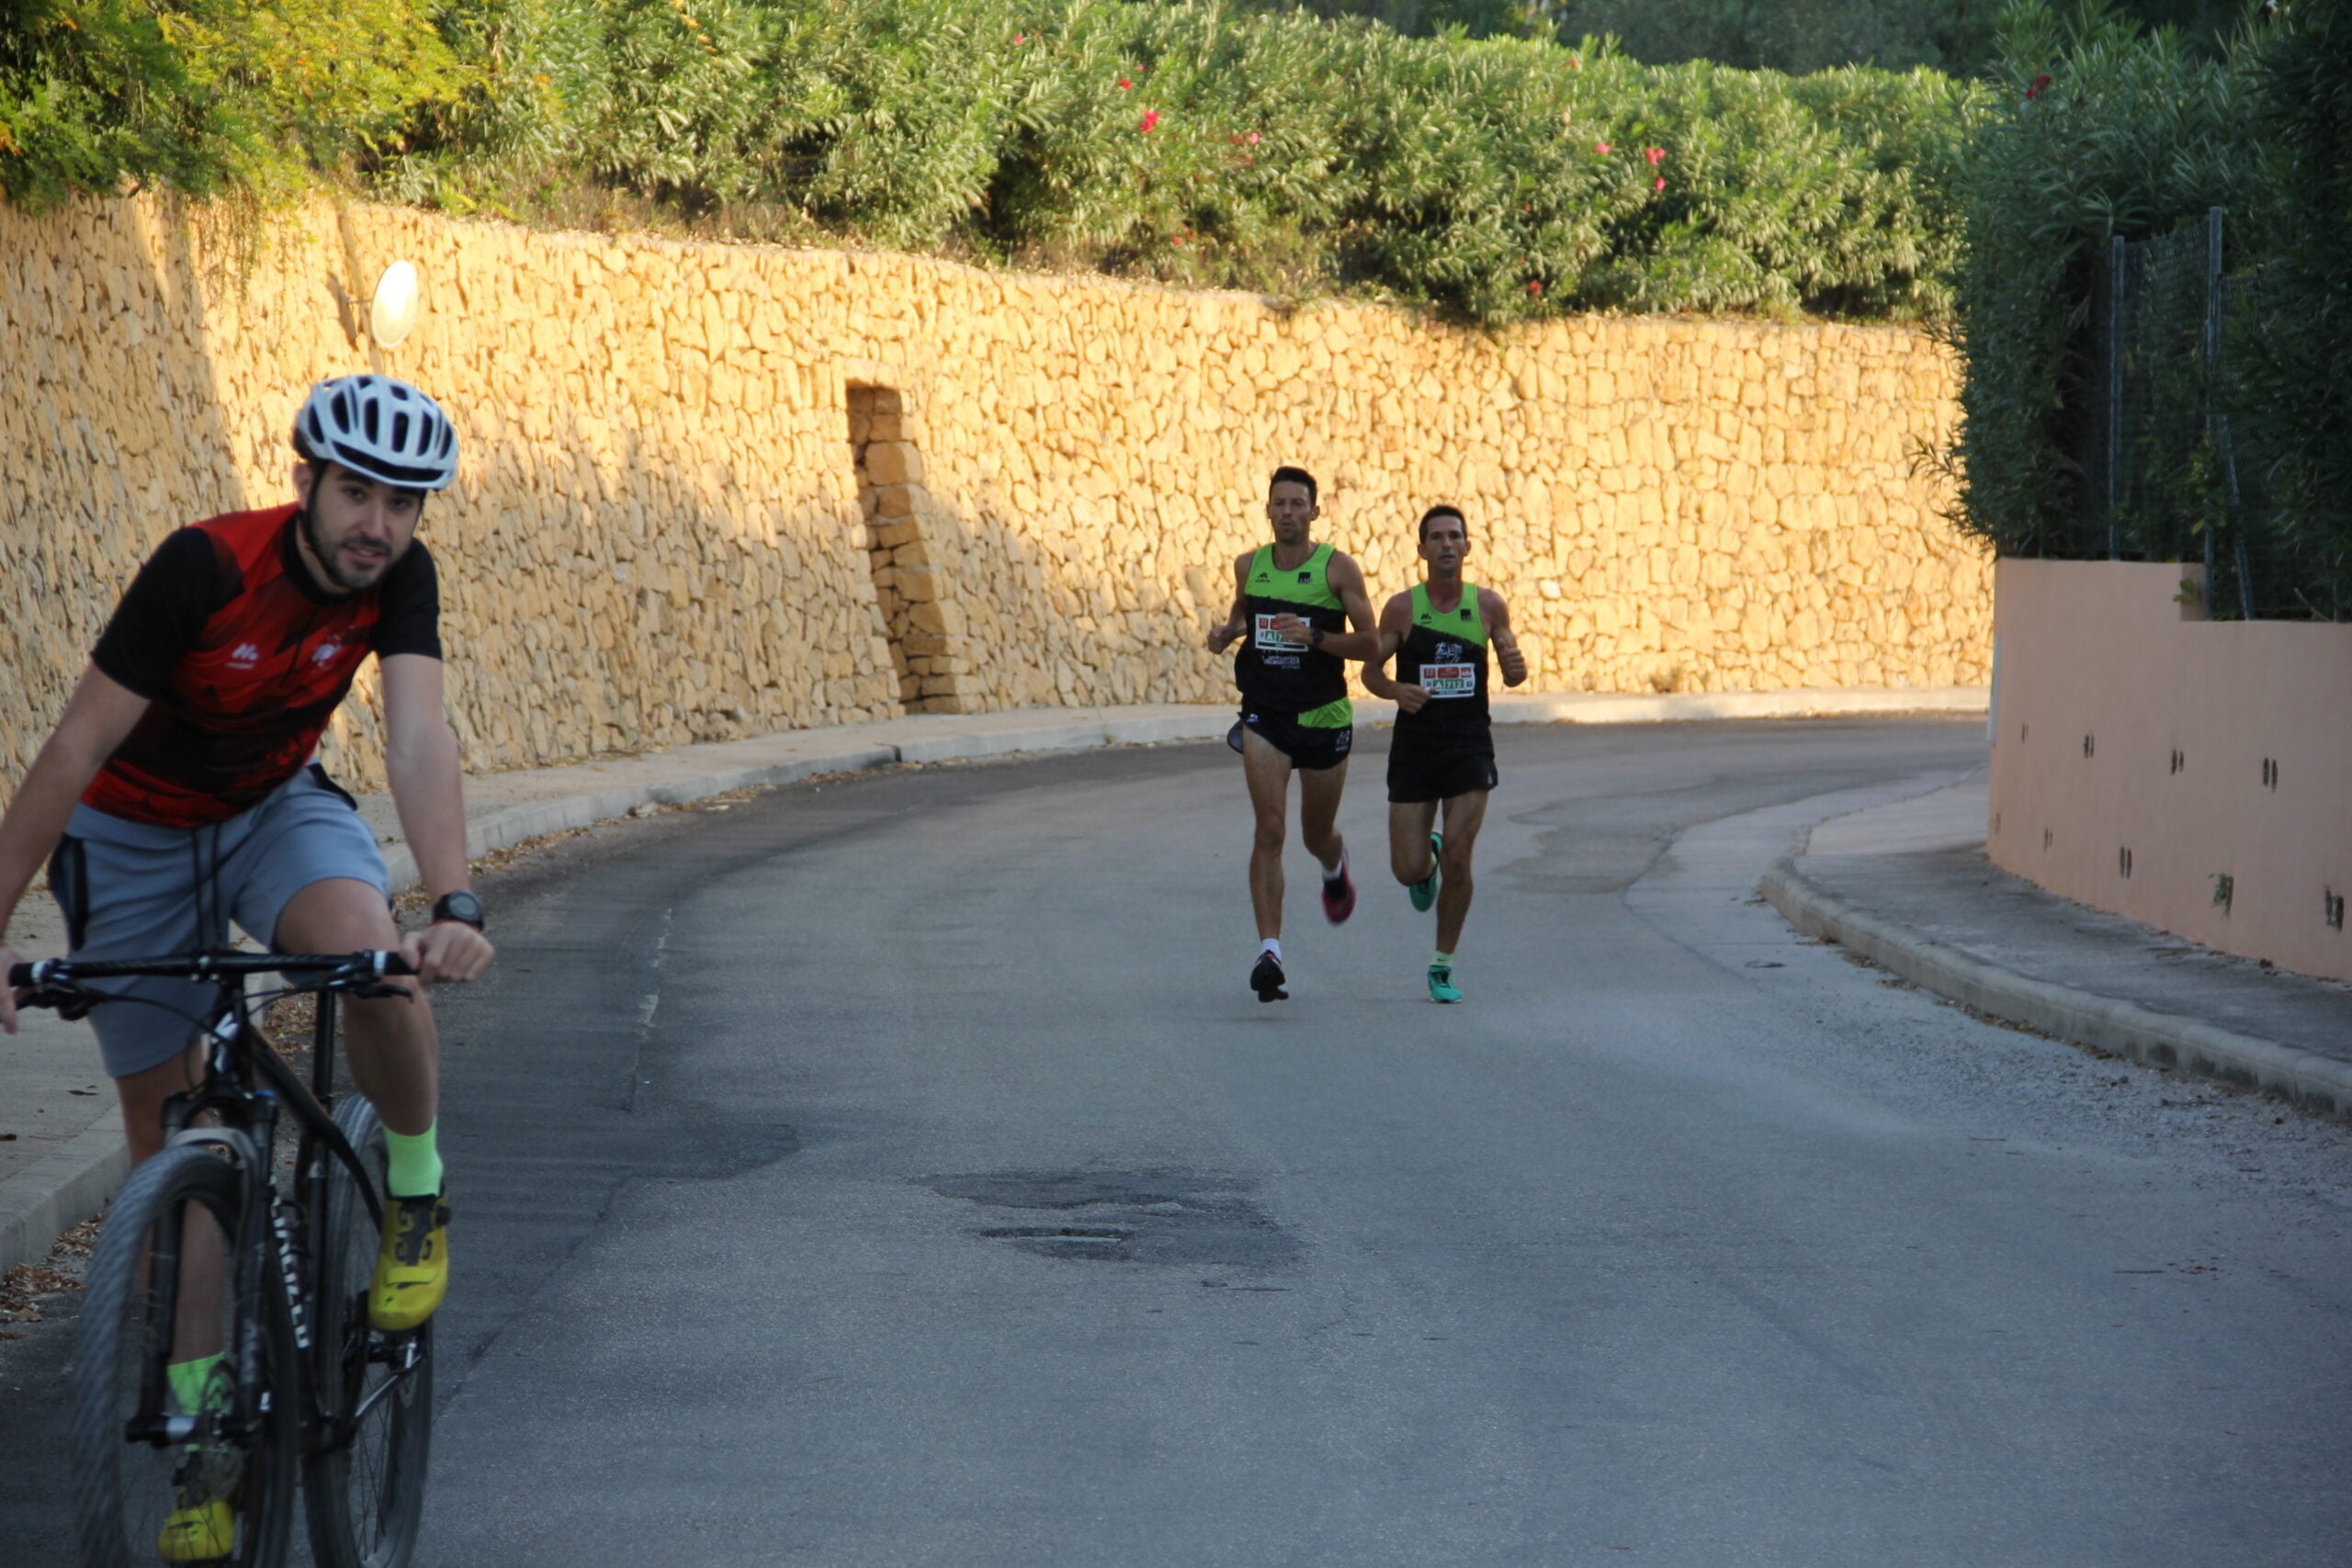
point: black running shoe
(1267, 979)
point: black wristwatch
(1315, 636)
(461, 906)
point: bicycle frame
(236, 1110)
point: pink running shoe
(1339, 894)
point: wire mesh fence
(2164, 474)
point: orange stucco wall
(2142, 754)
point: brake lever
(71, 1002)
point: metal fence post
(2114, 386)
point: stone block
(894, 502)
(889, 463)
(947, 620)
(916, 584)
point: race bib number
(1272, 641)
(1449, 680)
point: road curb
(2317, 1083)
(512, 825)
(60, 1189)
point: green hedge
(2097, 130)
(1488, 179)
(2290, 396)
(2094, 131)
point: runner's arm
(1346, 580)
(1395, 622)
(1236, 619)
(1496, 612)
(421, 762)
(99, 714)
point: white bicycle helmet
(384, 429)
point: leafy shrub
(1488, 179)
(2292, 402)
(208, 96)
(2094, 131)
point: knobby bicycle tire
(365, 1488)
(124, 1490)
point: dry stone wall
(709, 490)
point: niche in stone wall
(900, 542)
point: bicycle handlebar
(339, 967)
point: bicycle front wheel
(172, 1459)
(365, 1479)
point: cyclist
(179, 790)
(1293, 603)
(1443, 751)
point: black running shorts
(1416, 775)
(1306, 745)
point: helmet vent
(380, 429)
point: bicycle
(208, 1247)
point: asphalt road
(899, 1171)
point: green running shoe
(1424, 892)
(1441, 986)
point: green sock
(1443, 961)
(412, 1168)
(192, 1382)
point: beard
(307, 521)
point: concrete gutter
(2126, 1028)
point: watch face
(459, 906)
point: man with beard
(178, 792)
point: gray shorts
(135, 890)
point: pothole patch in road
(1184, 1218)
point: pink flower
(1175, 239)
(1658, 184)
(1020, 37)
(1602, 148)
(1536, 285)
(1124, 83)
(1252, 139)
(1653, 154)
(1151, 120)
(2041, 85)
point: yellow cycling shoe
(204, 1533)
(203, 1529)
(411, 1264)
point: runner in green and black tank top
(1299, 609)
(1443, 752)
(1286, 674)
(1444, 653)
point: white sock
(1338, 871)
(1275, 945)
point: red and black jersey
(244, 659)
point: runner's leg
(1464, 815)
(1409, 822)
(1319, 813)
(1268, 771)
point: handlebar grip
(20, 976)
